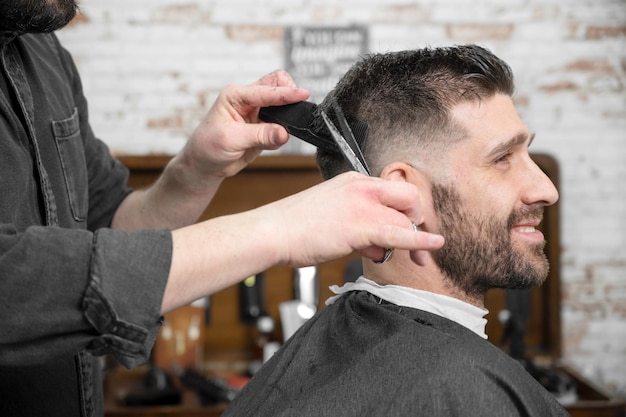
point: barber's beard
(36, 16)
(478, 254)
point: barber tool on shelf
(295, 313)
(251, 299)
(252, 311)
(211, 390)
(264, 345)
(158, 389)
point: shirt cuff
(122, 302)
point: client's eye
(504, 158)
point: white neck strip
(465, 314)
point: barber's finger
(261, 136)
(420, 257)
(415, 241)
(245, 99)
(277, 78)
(404, 238)
(403, 197)
(374, 253)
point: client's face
(491, 201)
(36, 16)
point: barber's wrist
(187, 176)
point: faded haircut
(405, 98)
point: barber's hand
(230, 135)
(352, 212)
(227, 139)
(348, 213)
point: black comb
(298, 119)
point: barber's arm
(227, 139)
(348, 213)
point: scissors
(345, 140)
(351, 150)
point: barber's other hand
(351, 212)
(230, 136)
(348, 213)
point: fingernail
(435, 239)
(276, 137)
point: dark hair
(405, 98)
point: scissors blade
(347, 134)
(344, 147)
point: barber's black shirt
(70, 287)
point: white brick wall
(152, 67)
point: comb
(298, 118)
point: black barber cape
(362, 356)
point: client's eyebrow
(516, 140)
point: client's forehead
(490, 122)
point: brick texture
(152, 68)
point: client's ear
(395, 171)
(402, 171)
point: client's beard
(478, 254)
(36, 16)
